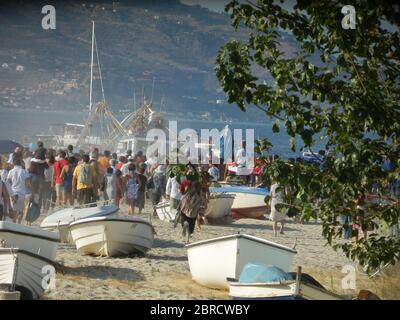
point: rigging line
(98, 63)
(91, 73)
(152, 90)
(134, 98)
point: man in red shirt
(58, 179)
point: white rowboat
(31, 239)
(60, 220)
(283, 290)
(112, 235)
(219, 206)
(24, 270)
(212, 261)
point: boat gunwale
(221, 195)
(67, 223)
(103, 218)
(44, 237)
(238, 236)
(31, 254)
(259, 284)
(236, 283)
(233, 190)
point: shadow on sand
(161, 243)
(103, 272)
(167, 258)
(256, 226)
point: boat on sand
(112, 235)
(214, 260)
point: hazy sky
(214, 5)
(218, 5)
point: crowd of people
(50, 178)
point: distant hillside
(138, 40)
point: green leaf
(275, 127)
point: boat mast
(91, 73)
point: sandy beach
(163, 273)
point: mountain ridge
(138, 41)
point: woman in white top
(173, 192)
(277, 215)
(4, 199)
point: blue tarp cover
(261, 273)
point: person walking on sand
(84, 178)
(67, 174)
(36, 169)
(18, 178)
(119, 185)
(156, 186)
(4, 170)
(5, 205)
(48, 183)
(173, 192)
(109, 185)
(131, 188)
(277, 214)
(104, 163)
(189, 208)
(58, 178)
(96, 183)
(141, 192)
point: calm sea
(15, 124)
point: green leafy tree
(342, 87)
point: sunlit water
(15, 124)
